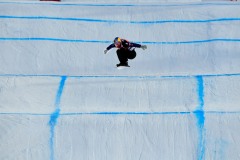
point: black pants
(124, 55)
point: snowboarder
(125, 51)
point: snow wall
(62, 98)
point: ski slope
(62, 98)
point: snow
(62, 98)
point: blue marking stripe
(119, 113)
(119, 21)
(121, 76)
(54, 116)
(199, 113)
(105, 41)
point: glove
(105, 51)
(143, 47)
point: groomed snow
(62, 98)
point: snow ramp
(62, 98)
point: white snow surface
(62, 98)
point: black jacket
(125, 44)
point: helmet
(117, 41)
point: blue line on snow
(122, 113)
(55, 39)
(199, 113)
(54, 116)
(56, 113)
(120, 21)
(122, 76)
(104, 41)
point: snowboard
(123, 67)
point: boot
(125, 64)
